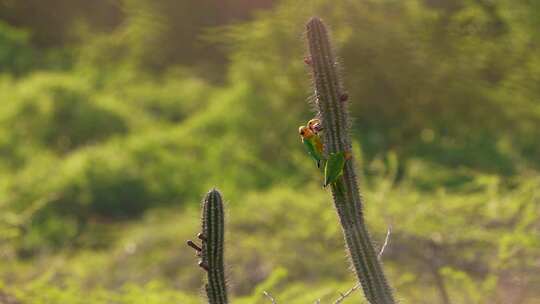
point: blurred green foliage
(16, 54)
(118, 115)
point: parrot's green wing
(334, 167)
(312, 151)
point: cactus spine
(331, 102)
(211, 251)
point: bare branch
(269, 296)
(345, 295)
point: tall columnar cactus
(331, 102)
(211, 251)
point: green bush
(472, 239)
(172, 98)
(16, 53)
(58, 112)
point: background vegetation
(117, 116)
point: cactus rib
(331, 103)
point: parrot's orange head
(305, 132)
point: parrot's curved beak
(317, 128)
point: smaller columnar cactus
(211, 251)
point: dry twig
(345, 295)
(269, 296)
(386, 240)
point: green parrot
(313, 144)
(334, 167)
